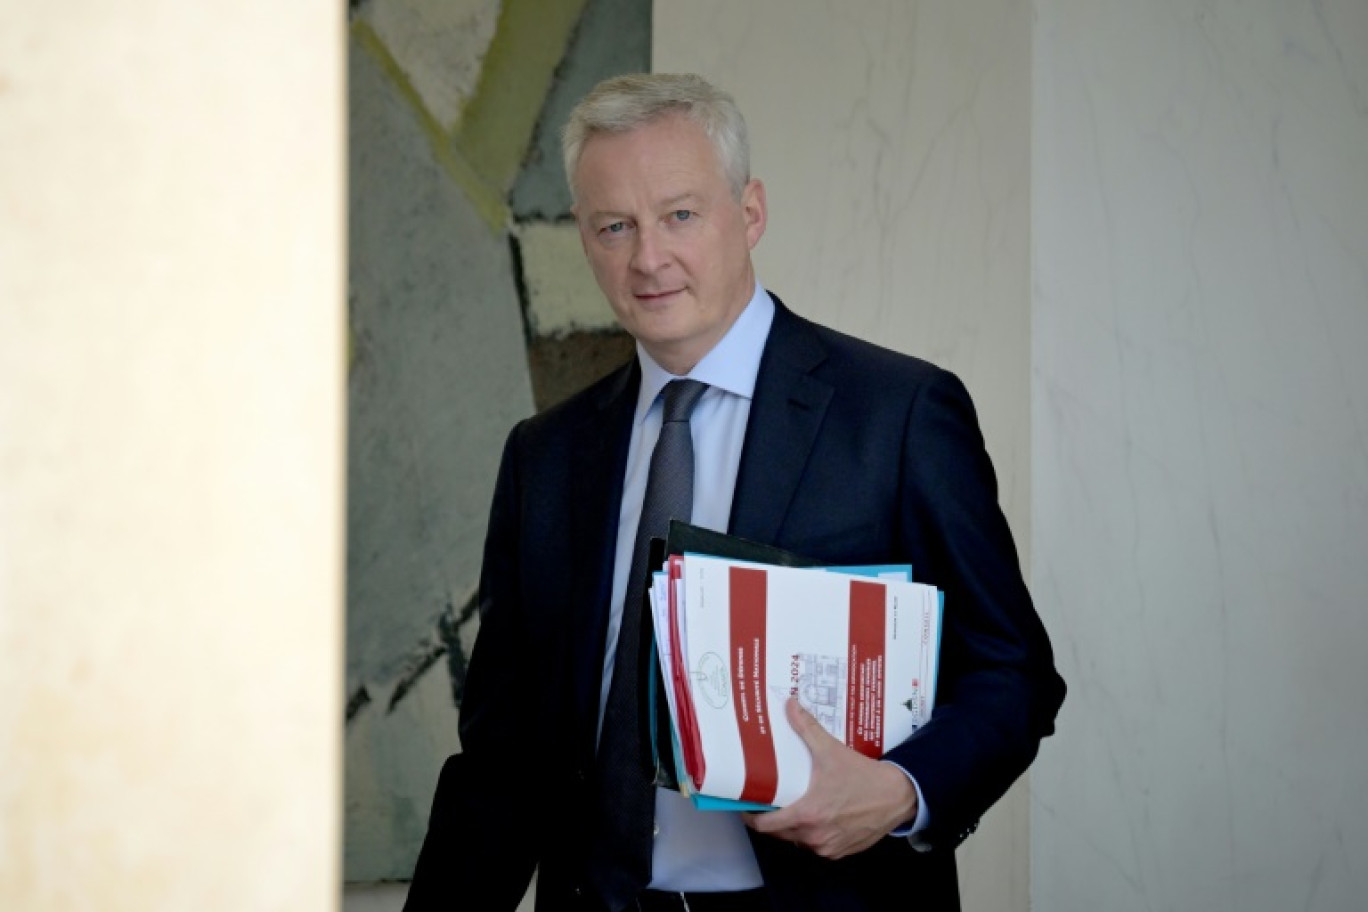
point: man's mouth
(649, 296)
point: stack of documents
(858, 647)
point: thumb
(806, 725)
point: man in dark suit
(803, 438)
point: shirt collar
(732, 364)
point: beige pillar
(171, 450)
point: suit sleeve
(481, 831)
(998, 691)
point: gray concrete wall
(469, 308)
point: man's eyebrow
(686, 197)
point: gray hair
(623, 103)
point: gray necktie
(621, 855)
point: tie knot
(680, 398)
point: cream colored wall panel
(171, 366)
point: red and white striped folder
(859, 652)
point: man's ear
(754, 211)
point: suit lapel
(598, 461)
(786, 414)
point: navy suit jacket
(853, 455)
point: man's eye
(683, 215)
(615, 228)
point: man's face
(669, 244)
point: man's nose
(650, 252)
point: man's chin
(664, 322)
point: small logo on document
(916, 704)
(710, 680)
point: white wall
(1200, 452)
(894, 141)
(171, 447)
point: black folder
(684, 537)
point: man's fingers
(765, 821)
(806, 725)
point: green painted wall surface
(438, 376)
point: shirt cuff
(923, 818)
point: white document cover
(860, 653)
